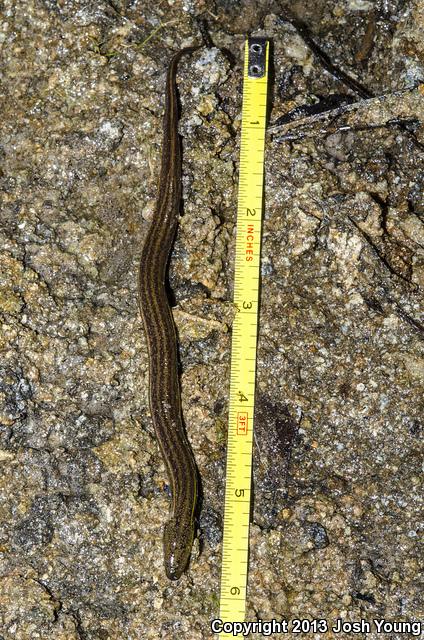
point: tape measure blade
(244, 337)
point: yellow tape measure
(244, 334)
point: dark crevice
(325, 59)
(380, 255)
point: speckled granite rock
(337, 481)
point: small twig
(368, 40)
(394, 122)
(152, 34)
(296, 129)
(212, 14)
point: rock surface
(337, 485)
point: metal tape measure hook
(257, 57)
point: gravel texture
(337, 479)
